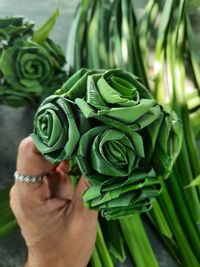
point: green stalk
(193, 52)
(189, 136)
(9, 227)
(194, 119)
(159, 221)
(143, 38)
(114, 41)
(93, 56)
(106, 7)
(103, 250)
(145, 29)
(193, 100)
(176, 84)
(95, 260)
(7, 220)
(159, 50)
(190, 141)
(5, 207)
(191, 230)
(114, 239)
(140, 66)
(182, 226)
(189, 152)
(137, 241)
(127, 31)
(75, 52)
(185, 177)
(187, 257)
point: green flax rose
(115, 97)
(56, 133)
(107, 152)
(28, 66)
(31, 64)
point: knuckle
(26, 143)
(18, 199)
(12, 193)
(14, 201)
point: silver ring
(27, 178)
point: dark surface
(15, 124)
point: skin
(57, 229)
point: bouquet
(121, 139)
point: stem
(188, 224)
(102, 249)
(114, 239)
(187, 257)
(138, 242)
(160, 223)
(95, 259)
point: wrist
(51, 258)
(43, 259)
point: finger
(30, 161)
(60, 185)
(77, 196)
(85, 216)
(63, 167)
(32, 193)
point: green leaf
(41, 34)
(114, 239)
(193, 52)
(195, 182)
(12, 28)
(168, 143)
(7, 221)
(102, 249)
(75, 48)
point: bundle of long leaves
(176, 215)
(111, 123)
(116, 44)
(31, 64)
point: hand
(58, 230)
